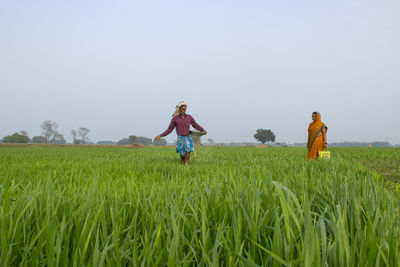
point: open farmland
(83, 206)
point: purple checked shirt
(182, 125)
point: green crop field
(93, 206)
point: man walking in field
(182, 121)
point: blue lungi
(184, 144)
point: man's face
(183, 109)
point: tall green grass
(232, 207)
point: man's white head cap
(180, 104)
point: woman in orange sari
(316, 136)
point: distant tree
(58, 139)
(38, 139)
(210, 141)
(49, 131)
(24, 133)
(143, 140)
(16, 138)
(83, 133)
(132, 139)
(263, 135)
(160, 142)
(124, 141)
(74, 137)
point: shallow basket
(325, 155)
(196, 133)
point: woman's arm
(324, 137)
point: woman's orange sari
(315, 129)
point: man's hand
(157, 137)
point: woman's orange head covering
(318, 118)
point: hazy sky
(119, 67)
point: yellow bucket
(325, 155)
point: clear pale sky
(119, 67)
